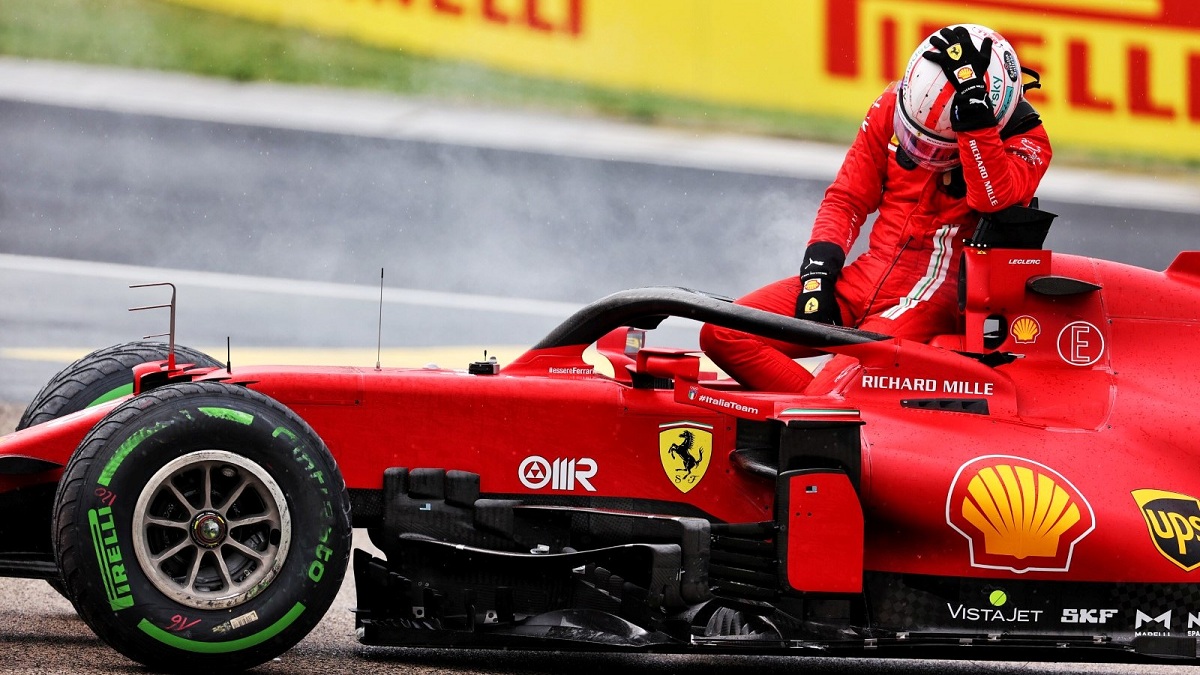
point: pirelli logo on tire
(108, 556)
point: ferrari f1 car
(1028, 482)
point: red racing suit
(905, 284)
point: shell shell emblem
(1025, 329)
(1017, 514)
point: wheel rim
(211, 529)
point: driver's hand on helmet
(965, 65)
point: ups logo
(1173, 520)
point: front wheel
(202, 526)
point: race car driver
(952, 140)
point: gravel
(10, 413)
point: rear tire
(202, 526)
(101, 376)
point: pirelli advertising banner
(1119, 75)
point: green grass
(155, 35)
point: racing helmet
(923, 99)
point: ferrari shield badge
(685, 449)
(1017, 514)
(1174, 522)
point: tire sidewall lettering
(163, 436)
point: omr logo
(537, 472)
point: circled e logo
(1080, 343)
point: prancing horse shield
(685, 449)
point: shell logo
(1017, 514)
(1025, 329)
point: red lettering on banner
(889, 69)
(1078, 90)
(1133, 92)
(568, 13)
(1193, 90)
(492, 14)
(533, 19)
(1140, 99)
(574, 23)
(841, 38)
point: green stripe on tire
(222, 647)
(114, 394)
(229, 414)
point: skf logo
(1154, 625)
(1017, 514)
(1087, 615)
(685, 449)
(1174, 523)
(1025, 330)
(561, 474)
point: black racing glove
(966, 68)
(818, 275)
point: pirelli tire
(101, 376)
(201, 527)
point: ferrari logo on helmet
(1017, 514)
(1174, 523)
(965, 73)
(811, 306)
(685, 449)
(954, 51)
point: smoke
(328, 207)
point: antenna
(170, 334)
(379, 329)
(228, 357)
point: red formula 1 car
(1029, 482)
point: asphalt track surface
(276, 234)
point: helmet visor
(925, 148)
